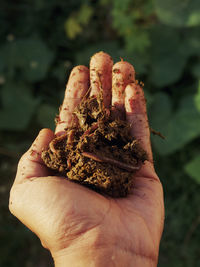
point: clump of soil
(98, 153)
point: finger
(31, 163)
(76, 89)
(123, 73)
(136, 115)
(101, 76)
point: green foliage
(75, 23)
(178, 127)
(46, 116)
(31, 56)
(131, 20)
(197, 98)
(72, 27)
(165, 69)
(160, 109)
(178, 13)
(193, 168)
(18, 106)
(41, 41)
(196, 70)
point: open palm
(74, 222)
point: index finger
(76, 89)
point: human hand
(79, 226)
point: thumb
(31, 163)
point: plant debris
(157, 133)
(99, 152)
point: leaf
(75, 23)
(59, 71)
(179, 13)
(159, 113)
(193, 168)
(18, 107)
(31, 56)
(37, 59)
(159, 110)
(122, 5)
(46, 116)
(181, 128)
(138, 44)
(149, 98)
(140, 61)
(192, 40)
(85, 14)
(105, 2)
(167, 61)
(196, 70)
(72, 27)
(197, 98)
(121, 16)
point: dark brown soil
(98, 153)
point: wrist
(94, 249)
(101, 257)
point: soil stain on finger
(99, 152)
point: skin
(123, 74)
(76, 89)
(79, 226)
(101, 76)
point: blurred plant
(178, 13)
(75, 23)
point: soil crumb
(98, 153)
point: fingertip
(43, 139)
(31, 164)
(79, 69)
(101, 58)
(40, 143)
(78, 82)
(46, 131)
(124, 69)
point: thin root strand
(114, 162)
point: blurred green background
(40, 42)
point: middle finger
(101, 76)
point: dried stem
(69, 165)
(157, 133)
(70, 138)
(114, 162)
(91, 129)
